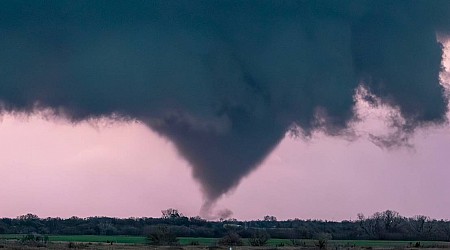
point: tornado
(224, 80)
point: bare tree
(171, 213)
(391, 219)
(421, 225)
(367, 224)
(270, 218)
(381, 225)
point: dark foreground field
(101, 246)
(12, 241)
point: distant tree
(107, 228)
(391, 220)
(444, 228)
(197, 221)
(27, 217)
(270, 218)
(197, 218)
(295, 236)
(231, 239)
(422, 226)
(162, 235)
(382, 225)
(129, 230)
(259, 238)
(322, 240)
(368, 225)
(171, 213)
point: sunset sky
(296, 109)
(58, 169)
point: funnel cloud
(224, 80)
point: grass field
(213, 241)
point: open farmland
(173, 229)
(193, 242)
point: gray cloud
(223, 80)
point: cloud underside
(224, 81)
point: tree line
(386, 225)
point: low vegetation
(34, 239)
(259, 238)
(231, 239)
(162, 235)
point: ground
(10, 241)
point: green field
(213, 241)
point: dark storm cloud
(223, 80)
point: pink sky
(57, 169)
(53, 168)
